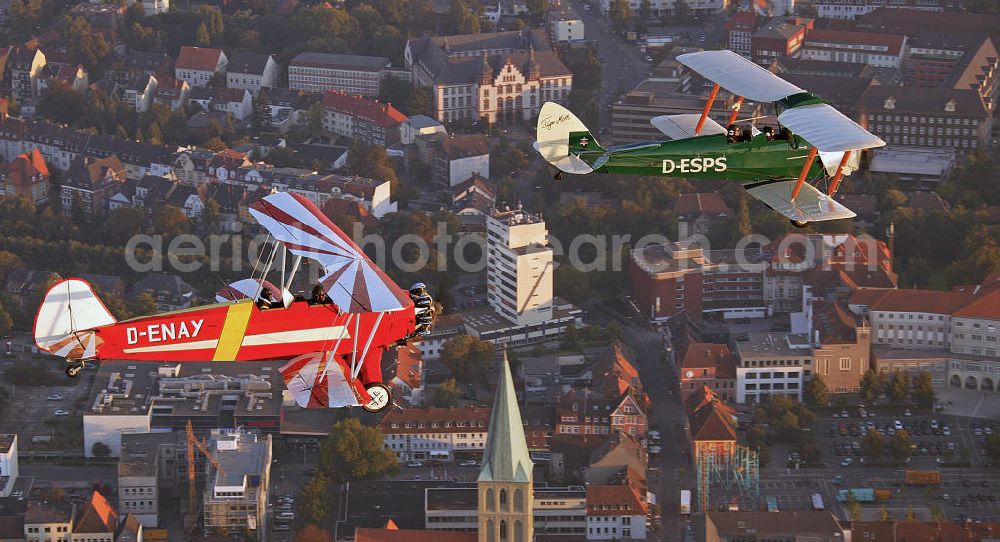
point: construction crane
(193, 443)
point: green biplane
(778, 168)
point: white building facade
(519, 267)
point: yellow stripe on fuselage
(233, 330)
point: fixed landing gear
(380, 395)
(73, 368)
(799, 223)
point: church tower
(505, 481)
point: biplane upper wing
(351, 279)
(738, 75)
(827, 129)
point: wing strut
(736, 111)
(805, 171)
(839, 175)
(708, 108)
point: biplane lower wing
(684, 126)
(319, 380)
(811, 205)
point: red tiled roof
(97, 517)
(408, 360)
(436, 420)
(198, 58)
(927, 201)
(24, 168)
(384, 115)
(367, 534)
(741, 19)
(893, 42)
(705, 355)
(709, 419)
(984, 305)
(927, 301)
(620, 500)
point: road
(622, 67)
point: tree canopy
(353, 451)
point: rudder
(561, 136)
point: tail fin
(562, 138)
(67, 314)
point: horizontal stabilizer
(827, 129)
(683, 126)
(810, 206)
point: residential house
(96, 522)
(131, 530)
(27, 286)
(457, 158)
(435, 433)
(282, 109)
(169, 291)
(503, 76)
(139, 92)
(109, 16)
(26, 66)
(617, 453)
(172, 93)
(355, 117)
(27, 176)
(697, 212)
(155, 7)
(252, 71)
(408, 382)
(109, 284)
(138, 62)
(354, 75)
(616, 512)
(73, 76)
(49, 521)
(89, 184)
(198, 65)
(237, 102)
(781, 37)
(737, 31)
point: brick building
(711, 366)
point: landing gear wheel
(799, 223)
(557, 176)
(381, 397)
(73, 369)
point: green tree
(86, 46)
(467, 357)
(315, 500)
(142, 304)
(883, 514)
(898, 387)
(923, 389)
(203, 39)
(853, 506)
(992, 448)
(120, 225)
(61, 103)
(447, 394)
(355, 452)
(910, 514)
(8, 261)
(621, 15)
(463, 19)
(871, 386)
(170, 221)
(6, 321)
(815, 391)
(681, 12)
(873, 444)
(100, 450)
(900, 445)
(312, 533)
(645, 13)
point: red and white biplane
(333, 350)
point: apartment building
(435, 433)
(9, 469)
(356, 117)
(772, 363)
(926, 117)
(252, 71)
(238, 482)
(876, 50)
(198, 65)
(354, 75)
(519, 267)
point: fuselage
(707, 157)
(241, 331)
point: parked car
(61, 412)
(54, 397)
(468, 463)
(414, 464)
(846, 462)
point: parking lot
(50, 416)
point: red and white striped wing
(318, 380)
(351, 280)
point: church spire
(506, 457)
